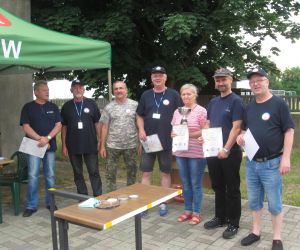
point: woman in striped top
(191, 163)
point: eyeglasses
(257, 81)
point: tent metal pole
(109, 85)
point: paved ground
(158, 233)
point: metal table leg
(138, 231)
(63, 234)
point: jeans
(225, 179)
(191, 171)
(264, 177)
(34, 163)
(91, 161)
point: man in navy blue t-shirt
(40, 120)
(155, 111)
(226, 111)
(80, 137)
(269, 121)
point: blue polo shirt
(223, 111)
(41, 118)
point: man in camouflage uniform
(119, 132)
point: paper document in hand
(152, 144)
(213, 141)
(29, 146)
(251, 146)
(181, 140)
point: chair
(15, 178)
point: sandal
(184, 217)
(195, 219)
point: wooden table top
(6, 161)
(148, 197)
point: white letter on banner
(11, 46)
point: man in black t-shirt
(155, 111)
(226, 111)
(40, 120)
(81, 127)
(269, 121)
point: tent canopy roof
(36, 48)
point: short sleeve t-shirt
(163, 104)
(268, 121)
(83, 140)
(121, 121)
(223, 111)
(196, 119)
(41, 118)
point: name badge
(156, 116)
(80, 125)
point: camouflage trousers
(112, 160)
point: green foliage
(291, 79)
(191, 38)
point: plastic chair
(14, 179)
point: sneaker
(214, 223)
(277, 245)
(28, 212)
(163, 209)
(250, 239)
(230, 231)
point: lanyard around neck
(158, 103)
(79, 112)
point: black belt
(262, 159)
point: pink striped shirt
(196, 119)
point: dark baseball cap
(158, 69)
(222, 72)
(77, 82)
(257, 71)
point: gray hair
(190, 86)
(38, 83)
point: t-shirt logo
(166, 102)
(265, 116)
(4, 21)
(86, 110)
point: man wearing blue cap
(155, 111)
(269, 120)
(80, 131)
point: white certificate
(181, 140)
(213, 141)
(152, 144)
(251, 146)
(29, 146)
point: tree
(191, 38)
(290, 79)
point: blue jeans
(191, 171)
(33, 178)
(264, 177)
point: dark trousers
(225, 178)
(91, 162)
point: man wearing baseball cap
(80, 131)
(225, 111)
(155, 111)
(269, 120)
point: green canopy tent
(27, 47)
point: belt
(262, 159)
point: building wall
(15, 91)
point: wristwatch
(49, 137)
(226, 150)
